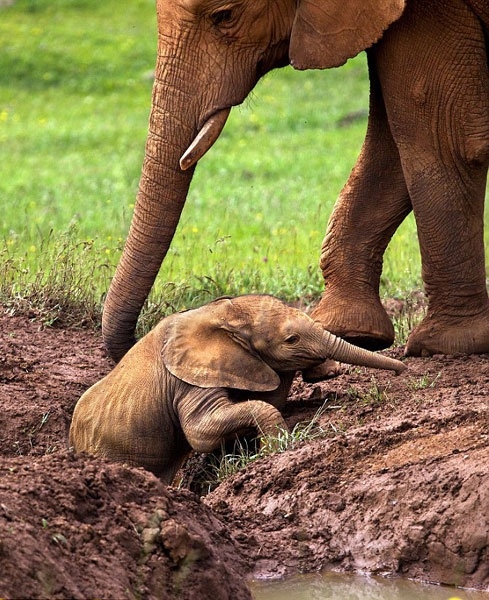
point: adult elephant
(426, 150)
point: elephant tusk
(205, 138)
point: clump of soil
(396, 483)
(80, 527)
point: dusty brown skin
(426, 150)
(203, 376)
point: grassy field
(75, 87)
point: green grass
(425, 381)
(75, 88)
(61, 288)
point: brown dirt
(397, 484)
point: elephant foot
(360, 321)
(469, 335)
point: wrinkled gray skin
(426, 150)
(204, 376)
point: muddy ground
(396, 483)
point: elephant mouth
(206, 137)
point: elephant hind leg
(469, 335)
(440, 123)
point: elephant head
(211, 53)
(204, 376)
(249, 341)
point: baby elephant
(203, 376)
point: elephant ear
(326, 33)
(209, 347)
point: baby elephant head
(182, 386)
(244, 342)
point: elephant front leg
(440, 122)
(206, 430)
(371, 206)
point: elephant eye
(292, 339)
(221, 17)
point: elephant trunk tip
(400, 368)
(385, 362)
(342, 351)
(117, 351)
(116, 342)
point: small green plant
(352, 393)
(375, 395)
(409, 316)
(338, 428)
(30, 433)
(426, 381)
(44, 419)
(231, 463)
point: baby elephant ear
(208, 347)
(326, 33)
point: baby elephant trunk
(342, 351)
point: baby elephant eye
(221, 16)
(292, 339)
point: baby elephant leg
(206, 431)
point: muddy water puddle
(336, 586)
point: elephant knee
(472, 141)
(475, 151)
(201, 442)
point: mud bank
(397, 483)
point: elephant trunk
(162, 192)
(342, 351)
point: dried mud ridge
(397, 485)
